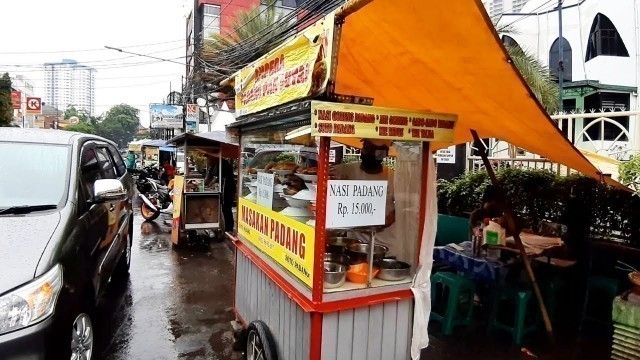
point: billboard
(192, 118)
(16, 99)
(166, 116)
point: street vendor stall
(334, 262)
(197, 203)
(156, 151)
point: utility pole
(561, 57)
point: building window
(508, 41)
(554, 59)
(604, 39)
(211, 20)
(608, 102)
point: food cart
(328, 264)
(196, 207)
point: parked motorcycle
(155, 201)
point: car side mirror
(105, 190)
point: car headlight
(31, 302)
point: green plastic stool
(552, 292)
(461, 290)
(521, 299)
(602, 290)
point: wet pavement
(176, 304)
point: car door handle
(112, 207)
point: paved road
(176, 303)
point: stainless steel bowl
(337, 258)
(338, 245)
(393, 270)
(358, 253)
(334, 274)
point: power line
(85, 50)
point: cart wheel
(260, 343)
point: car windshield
(32, 174)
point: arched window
(509, 41)
(604, 39)
(554, 58)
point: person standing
(227, 188)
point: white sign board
(352, 203)
(446, 156)
(265, 190)
(332, 156)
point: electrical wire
(531, 13)
(86, 50)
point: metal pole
(511, 225)
(561, 57)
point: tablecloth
(476, 268)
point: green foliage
(630, 173)
(120, 124)
(72, 111)
(81, 127)
(592, 208)
(6, 107)
(246, 25)
(540, 80)
(286, 156)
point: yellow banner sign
(360, 121)
(135, 147)
(178, 186)
(297, 69)
(288, 242)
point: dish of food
(307, 177)
(296, 212)
(296, 202)
(304, 195)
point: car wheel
(147, 213)
(82, 337)
(122, 269)
(260, 343)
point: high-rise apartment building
(68, 83)
(495, 8)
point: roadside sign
(16, 99)
(34, 106)
(446, 156)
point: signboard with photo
(166, 116)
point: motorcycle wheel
(147, 213)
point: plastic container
(494, 234)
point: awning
(228, 147)
(445, 57)
(606, 165)
(154, 143)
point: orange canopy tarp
(445, 57)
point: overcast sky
(39, 31)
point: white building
(601, 68)
(496, 8)
(68, 83)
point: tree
(82, 128)
(257, 26)
(538, 76)
(630, 173)
(6, 107)
(72, 111)
(120, 124)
